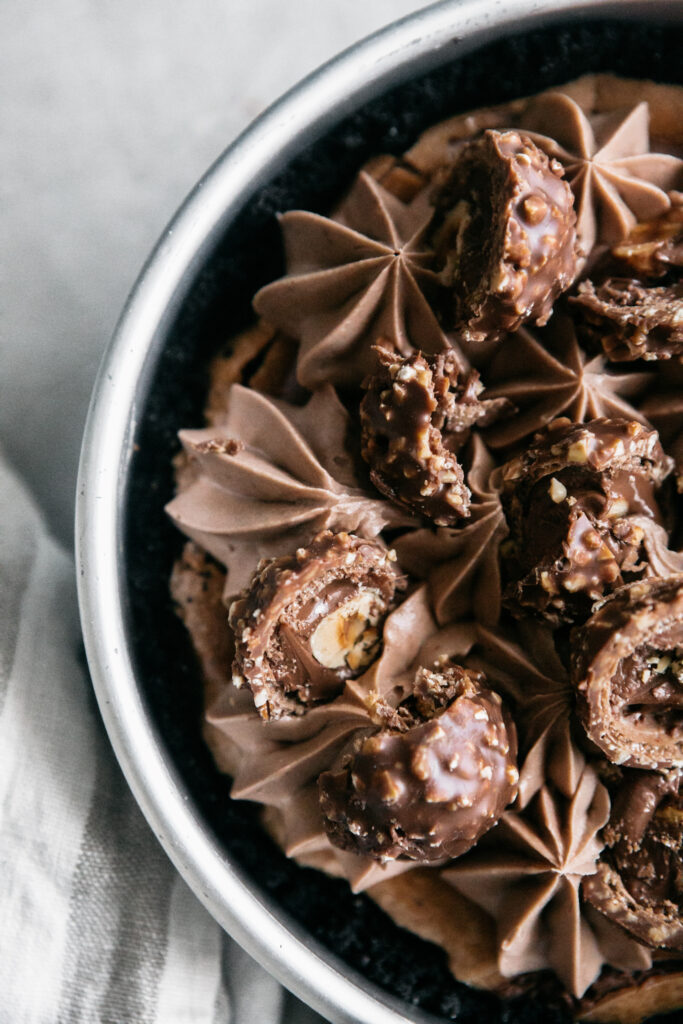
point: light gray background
(111, 110)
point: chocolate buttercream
(504, 235)
(627, 667)
(545, 374)
(615, 178)
(353, 279)
(268, 477)
(526, 667)
(309, 621)
(462, 563)
(527, 873)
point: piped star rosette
(627, 668)
(267, 477)
(576, 501)
(353, 278)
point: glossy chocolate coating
(575, 502)
(435, 779)
(627, 668)
(504, 235)
(311, 620)
(632, 320)
(639, 881)
(416, 413)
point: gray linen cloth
(96, 927)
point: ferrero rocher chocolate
(416, 412)
(311, 620)
(428, 784)
(639, 881)
(504, 235)
(572, 501)
(627, 668)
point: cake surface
(454, 594)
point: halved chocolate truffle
(627, 667)
(309, 621)
(433, 780)
(632, 320)
(416, 413)
(504, 235)
(639, 881)
(575, 501)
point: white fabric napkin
(96, 927)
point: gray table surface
(110, 113)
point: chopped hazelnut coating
(654, 247)
(417, 411)
(430, 782)
(504, 235)
(576, 502)
(627, 670)
(639, 881)
(309, 621)
(632, 320)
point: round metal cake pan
(420, 42)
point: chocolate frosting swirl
(527, 874)
(527, 667)
(353, 279)
(616, 180)
(545, 373)
(268, 477)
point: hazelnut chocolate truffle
(639, 881)
(504, 235)
(428, 785)
(632, 320)
(309, 621)
(575, 501)
(627, 667)
(416, 412)
(654, 247)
